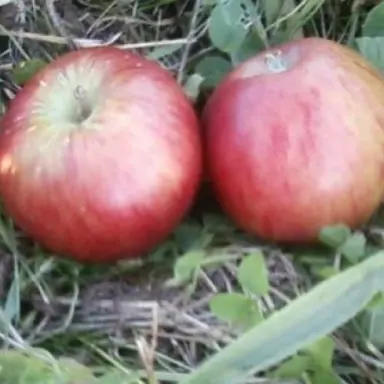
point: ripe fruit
(295, 140)
(100, 155)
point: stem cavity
(275, 62)
(83, 104)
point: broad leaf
(226, 29)
(334, 235)
(373, 25)
(293, 368)
(25, 70)
(372, 322)
(252, 44)
(322, 352)
(192, 86)
(354, 247)
(187, 264)
(253, 274)
(236, 309)
(372, 48)
(213, 69)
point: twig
(89, 42)
(49, 4)
(190, 40)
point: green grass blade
(306, 319)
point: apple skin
(294, 140)
(109, 186)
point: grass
(155, 319)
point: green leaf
(354, 247)
(334, 235)
(322, 377)
(324, 272)
(213, 69)
(291, 20)
(189, 235)
(14, 365)
(372, 323)
(236, 308)
(226, 29)
(272, 9)
(12, 303)
(193, 85)
(372, 48)
(373, 25)
(217, 223)
(36, 367)
(187, 264)
(287, 22)
(251, 45)
(316, 357)
(210, 2)
(76, 372)
(160, 52)
(253, 274)
(377, 301)
(293, 368)
(25, 70)
(300, 323)
(116, 376)
(322, 352)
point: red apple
(100, 155)
(295, 140)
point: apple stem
(84, 109)
(275, 61)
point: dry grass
(126, 315)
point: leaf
(210, 2)
(213, 69)
(321, 377)
(17, 366)
(334, 235)
(324, 272)
(218, 223)
(25, 70)
(253, 274)
(293, 18)
(187, 264)
(189, 235)
(377, 301)
(287, 22)
(12, 303)
(75, 372)
(293, 368)
(322, 352)
(160, 52)
(116, 376)
(236, 308)
(300, 323)
(225, 28)
(251, 45)
(373, 25)
(192, 86)
(272, 9)
(372, 48)
(37, 366)
(372, 323)
(354, 247)
(317, 357)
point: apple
(294, 140)
(100, 155)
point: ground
(159, 319)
